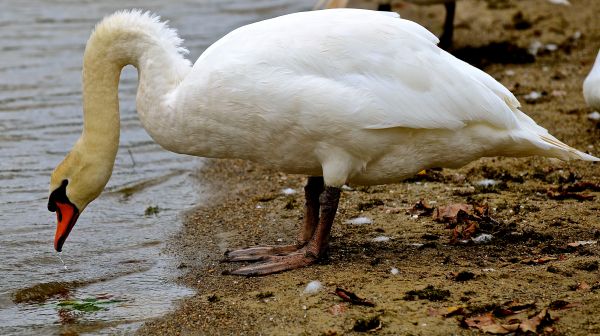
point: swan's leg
(311, 252)
(314, 187)
(384, 7)
(446, 38)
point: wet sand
(527, 261)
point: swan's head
(75, 182)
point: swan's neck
(119, 40)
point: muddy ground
(528, 262)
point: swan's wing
(358, 69)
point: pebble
(313, 287)
(394, 271)
(560, 2)
(595, 116)
(359, 221)
(486, 182)
(379, 239)
(532, 96)
(288, 191)
(483, 238)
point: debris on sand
(573, 191)
(288, 191)
(428, 293)
(582, 243)
(359, 221)
(369, 324)
(313, 287)
(532, 96)
(510, 317)
(352, 298)
(381, 239)
(421, 208)
(462, 276)
(538, 261)
(594, 116)
(560, 2)
(464, 219)
(483, 238)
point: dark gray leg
(311, 252)
(446, 38)
(314, 187)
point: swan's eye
(58, 195)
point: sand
(528, 259)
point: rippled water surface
(115, 276)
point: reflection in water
(115, 249)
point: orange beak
(66, 215)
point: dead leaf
(486, 323)
(540, 319)
(452, 311)
(421, 208)
(538, 261)
(562, 304)
(558, 195)
(573, 191)
(581, 186)
(450, 212)
(352, 298)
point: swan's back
(361, 87)
(392, 69)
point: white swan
(386, 5)
(341, 95)
(591, 86)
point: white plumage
(351, 95)
(591, 86)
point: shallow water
(113, 257)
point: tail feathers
(563, 151)
(547, 144)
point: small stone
(483, 238)
(288, 191)
(359, 221)
(313, 287)
(594, 116)
(381, 239)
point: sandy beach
(541, 258)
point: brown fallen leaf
(564, 194)
(452, 311)
(540, 319)
(581, 186)
(352, 298)
(421, 208)
(538, 261)
(562, 304)
(449, 213)
(486, 323)
(512, 307)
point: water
(114, 275)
